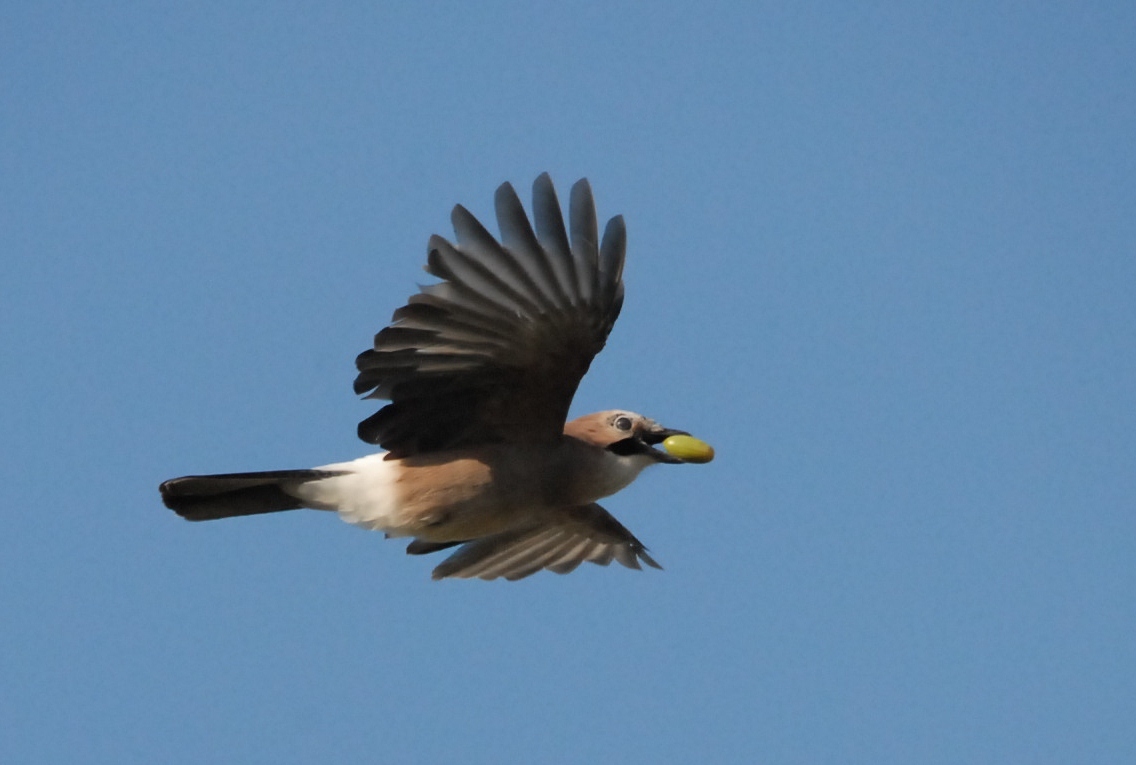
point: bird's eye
(623, 423)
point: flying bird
(480, 369)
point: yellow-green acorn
(689, 449)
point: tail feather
(229, 495)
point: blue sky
(882, 256)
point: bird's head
(627, 433)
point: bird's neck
(592, 473)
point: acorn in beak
(678, 446)
(686, 448)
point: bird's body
(467, 493)
(480, 370)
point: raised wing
(494, 352)
(587, 533)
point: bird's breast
(583, 473)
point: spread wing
(587, 533)
(494, 352)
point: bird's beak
(678, 446)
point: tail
(209, 497)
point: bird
(479, 370)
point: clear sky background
(882, 256)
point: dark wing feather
(576, 535)
(495, 350)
